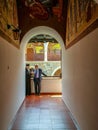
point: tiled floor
(44, 112)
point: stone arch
(56, 70)
(36, 31)
(41, 30)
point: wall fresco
(8, 16)
(82, 14)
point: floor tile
(44, 112)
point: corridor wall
(11, 83)
(80, 81)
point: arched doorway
(44, 51)
(41, 30)
(37, 31)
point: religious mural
(82, 14)
(43, 9)
(36, 9)
(8, 20)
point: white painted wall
(12, 90)
(49, 86)
(12, 76)
(80, 81)
(79, 85)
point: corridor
(44, 112)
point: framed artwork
(82, 18)
(8, 20)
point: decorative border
(2, 34)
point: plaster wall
(79, 73)
(12, 77)
(80, 81)
(12, 83)
(49, 85)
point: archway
(40, 30)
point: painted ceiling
(51, 13)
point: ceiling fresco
(50, 13)
(43, 9)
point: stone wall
(49, 67)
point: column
(45, 50)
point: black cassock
(28, 82)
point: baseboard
(71, 116)
(13, 120)
(51, 93)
